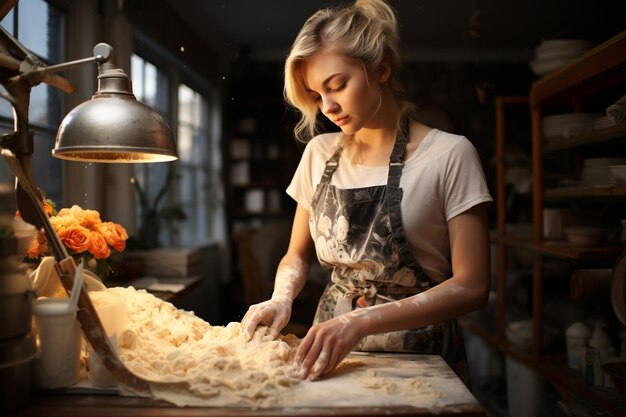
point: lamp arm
(31, 67)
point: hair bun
(378, 9)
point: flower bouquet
(85, 236)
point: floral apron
(358, 235)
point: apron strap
(394, 198)
(329, 170)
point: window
(151, 86)
(196, 188)
(38, 26)
(194, 152)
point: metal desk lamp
(111, 127)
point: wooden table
(339, 395)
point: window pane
(150, 85)
(40, 29)
(7, 22)
(185, 143)
(136, 71)
(45, 105)
(185, 104)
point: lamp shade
(114, 127)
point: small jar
(577, 336)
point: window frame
(179, 74)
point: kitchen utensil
(78, 282)
(47, 283)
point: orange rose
(114, 234)
(91, 219)
(62, 223)
(98, 246)
(76, 238)
(86, 218)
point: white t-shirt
(440, 180)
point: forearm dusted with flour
(275, 313)
(290, 278)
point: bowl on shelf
(585, 235)
(618, 174)
(617, 372)
(520, 334)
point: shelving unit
(260, 153)
(587, 81)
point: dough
(188, 361)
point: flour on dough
(188, 361)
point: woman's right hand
(273, 313)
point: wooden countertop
(114, 406)
(341, 394)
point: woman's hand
(273, 313)
(326, 344)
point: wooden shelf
(593, 137)
(555, 370)
(579, 192)
(594, 64)
(593, 80)
(561, 249)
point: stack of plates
(568, 125)
(554, 53)
(602, 123)
(596, 171)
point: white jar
(577, 335)
(58, 332)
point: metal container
(16, 293)
(16, 371)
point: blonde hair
(365, 32)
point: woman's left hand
(326, 344)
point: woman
(396, 210)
